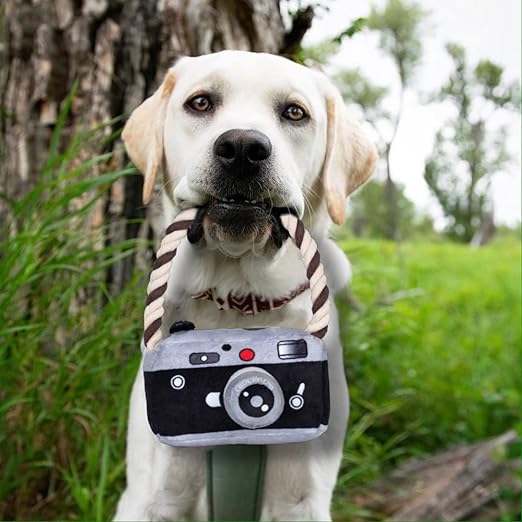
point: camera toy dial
(177, 382)
(296, 402)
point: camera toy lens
(253, 398)
(256, 400)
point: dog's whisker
(271, 202)
(308, 205)
(311, 191)
(287, 204)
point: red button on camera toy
(247, 354)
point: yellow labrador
(241, 134)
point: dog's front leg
(300, 478)
(163, 483)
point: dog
(242, 134)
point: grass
(432, 360)
(68, 348)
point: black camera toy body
(237, 386)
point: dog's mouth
(237, 216)
(239, 220)
(240, 206)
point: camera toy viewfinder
(237, 386)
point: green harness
(235, 477)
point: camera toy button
(177, 382)
(181, 326)
(247, 354)
(296, 402)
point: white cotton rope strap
(176, 233)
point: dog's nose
(242, 151)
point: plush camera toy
(242, 385)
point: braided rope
(318, 324)
(175, 234)
(159, 277)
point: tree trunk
(390, 189)
(390, 200)
(118, 51)
(470, 482)
(486, 232)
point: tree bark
(390, 189)
(118, 51)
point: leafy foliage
(357, 25)
(321, 52)
(467, 152)
(399, 26)
(356, 89)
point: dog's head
(244, 133)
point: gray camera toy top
(236, 385)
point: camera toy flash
(241, 385)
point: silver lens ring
(253, 409)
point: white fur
(170, 483)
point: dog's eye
(200, 103)
(294, 113)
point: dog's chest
(206, 315)
(195, 271)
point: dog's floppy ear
(143, 134)
(350, 156)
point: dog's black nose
(242, 151)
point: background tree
(368, 215)
(398, 24)
(468, 150)
(118, 51)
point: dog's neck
(197, 269)
(271, 276)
